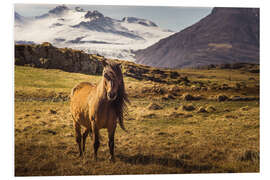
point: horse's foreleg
(111, 142)
(78, 137)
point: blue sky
(174, 18)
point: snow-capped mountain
(20, 20)
(139, 21)
(18, 17)
(89, 31)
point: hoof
(112, 160)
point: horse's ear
(104, 62)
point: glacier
(89, 31)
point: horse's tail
(72, 92)
(75, 88)
(121, 123)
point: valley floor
(170, 139)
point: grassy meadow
(215, 132)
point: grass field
(170, 139)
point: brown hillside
(227, 35)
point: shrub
(188, 107)
(154, 106)
(221, 98)
(202, 110)
(210, 109)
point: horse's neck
(98, 100)
(101, 92)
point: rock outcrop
(47, 56)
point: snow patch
(89, 31)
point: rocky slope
(47, 56)
(226, 35)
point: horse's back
(81, 88)
(79, 101)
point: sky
(173, 18)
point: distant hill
(48, 56)
(226, 35)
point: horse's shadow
(169, 162)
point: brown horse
(94, 107)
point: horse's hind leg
(85, 134)
(111, 142)
(78, 136)
(96, 141)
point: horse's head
(112, 79)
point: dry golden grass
(167, 140)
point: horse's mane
(120, 103)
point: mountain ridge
(226, 35)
